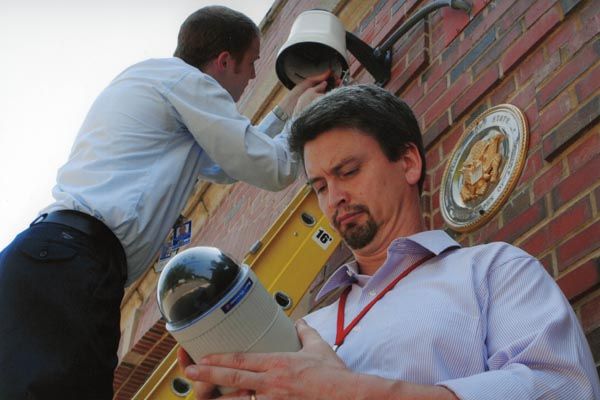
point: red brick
(437, 36)
(576, 183)
(484, 233)
(532, 166)
(450, 140)
(585, 150)
(590, 314)
(433, 94)
(548, 264)
(436, 177)
(571, 129)
(489, 18)
(532, 116)
(579, 246)
(518, 201)
(529, 218)
(589, 84)
(563, 78)
(412, 94)
(554, 113)
(433, 157)
(504, 90)
(524, 97)
(426, 203)
(530, 66)
(580, 280)
(401, 78)
(558, 228)
(435, 200)
(563, 35)
(530, 39)
(475, 92)
(495, 50)
(434, 72)
(537, 9)
(437, 220)
(436, 129)
(454, 21)
(548, 180)
(513, 14)
(587, 30)
(446, 99)
(535, 135)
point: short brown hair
(211, 30)
(369, 108)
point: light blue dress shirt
(150, 135)
(486, 321)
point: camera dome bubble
(193, 282)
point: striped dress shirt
(486, 321)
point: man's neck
(369, 260)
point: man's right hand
(306, 92)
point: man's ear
(411, 159)
(223, 61)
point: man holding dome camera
(420, 316)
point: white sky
(55, 58)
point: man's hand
(306, 91)
(315, 372)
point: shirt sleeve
(242, 151)
(535, 346)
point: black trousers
(60, 295)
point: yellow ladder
(286, 260)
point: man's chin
(357, 237)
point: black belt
(88, 225)
(82, 222)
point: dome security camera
(213, 305)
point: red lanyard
(343, 332)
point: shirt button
(43, 253)
(372, 293)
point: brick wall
(542, 56)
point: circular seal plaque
(484, 168)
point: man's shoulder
(160, 65)
(492, 254)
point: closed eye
(319, 189)
(351, 172)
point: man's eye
(351, 172)
(319, 189)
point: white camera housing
(213, 305)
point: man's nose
(338, 195)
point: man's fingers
(223, 376)
(315, 79)
(320, 77)
(308, 336)
(247, 361)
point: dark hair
(211, 30)
(368, 108)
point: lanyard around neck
(343, 332)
